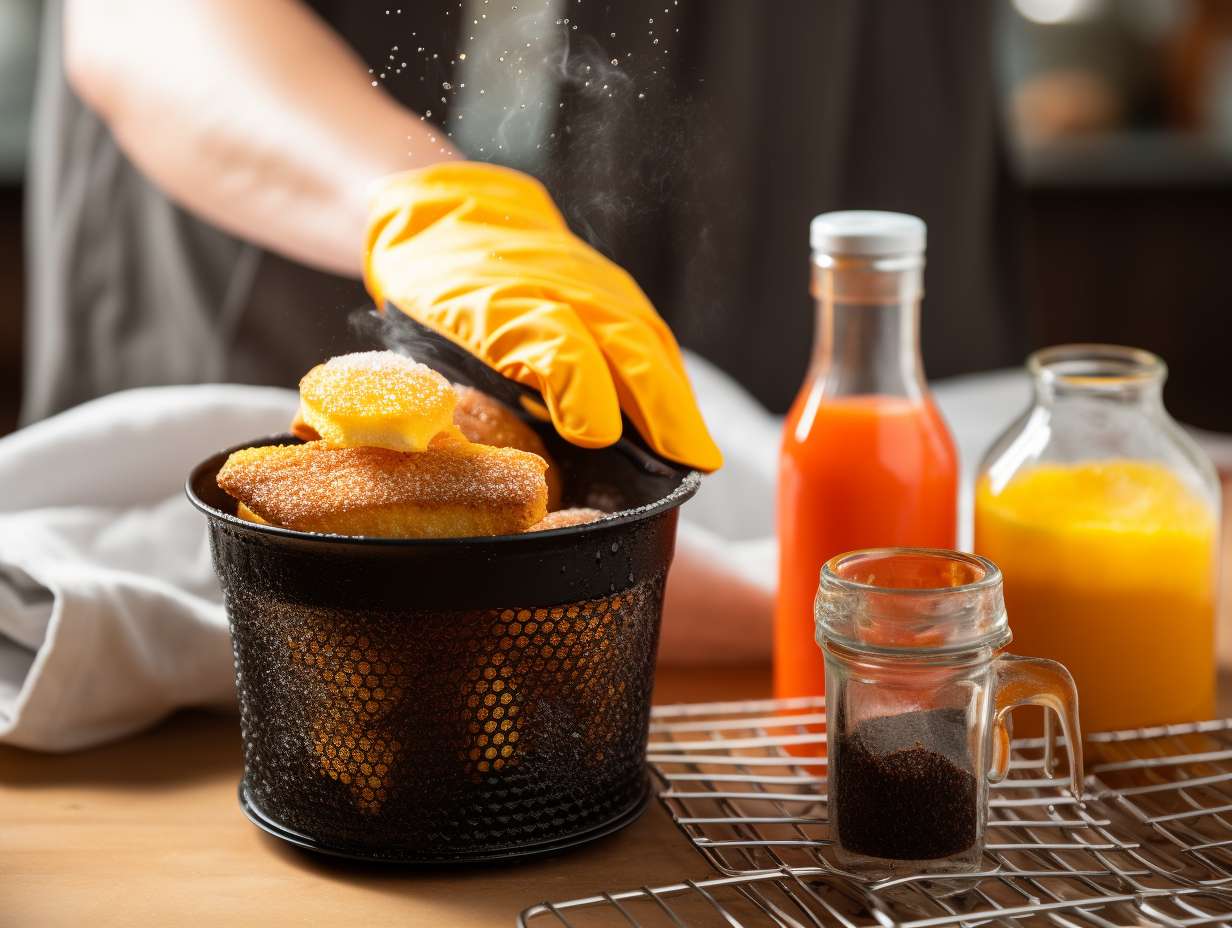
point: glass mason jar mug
(917, 697)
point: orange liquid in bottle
(854, 472)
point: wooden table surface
(148, 832)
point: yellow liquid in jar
(1109, 568)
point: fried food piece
(376, 399)
(451, 436)
(243, 512)
(563, 518)
(453, 489)
(301, 429)
(484, 420)
(488, 421)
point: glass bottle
(866, 459)
(1104, 516)
(918, 691)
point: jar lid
(911, 600)
(867, 233)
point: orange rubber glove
(480, 254)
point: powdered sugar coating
(376, 398)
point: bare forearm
(712, 615)
(254, 115)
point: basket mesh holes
(445, 733)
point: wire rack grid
(1149, 843)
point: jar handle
(1033, 681)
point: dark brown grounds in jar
(902, 786)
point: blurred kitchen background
(1118, 116)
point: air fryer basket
(440, 700)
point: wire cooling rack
(1150, 842)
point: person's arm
(254, 115)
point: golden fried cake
(452, 489)
(484, 420)
(563, 518)
(490, 422)
(376, 399)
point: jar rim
(933, 603)
(990, 573)
(1097, 367)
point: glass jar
(1103, 516)
(917, 697)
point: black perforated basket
(442, 700)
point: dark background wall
(1145, 266)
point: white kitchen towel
(110, 615)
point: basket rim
(690, 481)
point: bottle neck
(868, 326)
